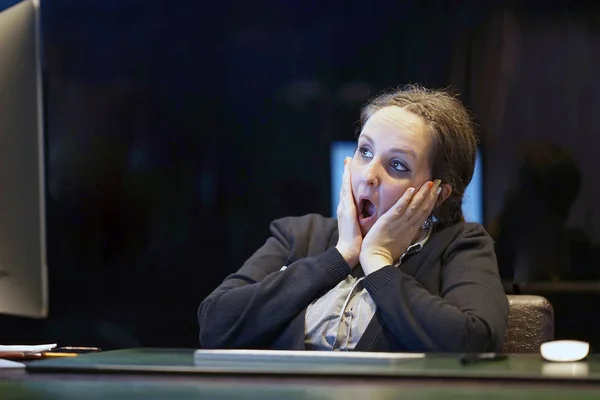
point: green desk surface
(93, 389)
(124, 374)
(181, 361)
(97, 387)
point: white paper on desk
(26, 348)
(10, 364)
(304, 355)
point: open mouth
(367, 209)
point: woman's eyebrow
(406, 151)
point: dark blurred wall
(135, 93)
(531, 80)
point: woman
(398, 270)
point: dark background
(177, 130)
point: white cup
(564, 350)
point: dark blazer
(448, 297)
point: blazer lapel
(365, 343)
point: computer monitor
(472, 201)
(23, 271)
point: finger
(347, 182)
(417, 200)
(340, 207)
(423, 202)
(404, 200)
(346, 199)
(349, 198)
(435, 191)
(345, 178)
(433, 194)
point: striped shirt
(338, 319)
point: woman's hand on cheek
(395, 230)
(350, 237)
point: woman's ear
(444, 194)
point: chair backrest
(530, 323)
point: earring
(427, 224)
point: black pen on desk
(471, 358)
(74, 349)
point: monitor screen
(23, 274)
(472, 202)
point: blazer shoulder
(462, 230)
(470, 237)
(463, 235)
(474, 229)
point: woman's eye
(366, 153)
(398, 166)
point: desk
(170, 374)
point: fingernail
(430, 185)
(411, 190)
(438, 182)
(438, 191)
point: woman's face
(393, 154)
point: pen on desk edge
(79, 348)
(471, 358)
(75, 349)
(57, 354)
(25, 356)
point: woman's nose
(371, 174)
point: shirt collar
(415, 247)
